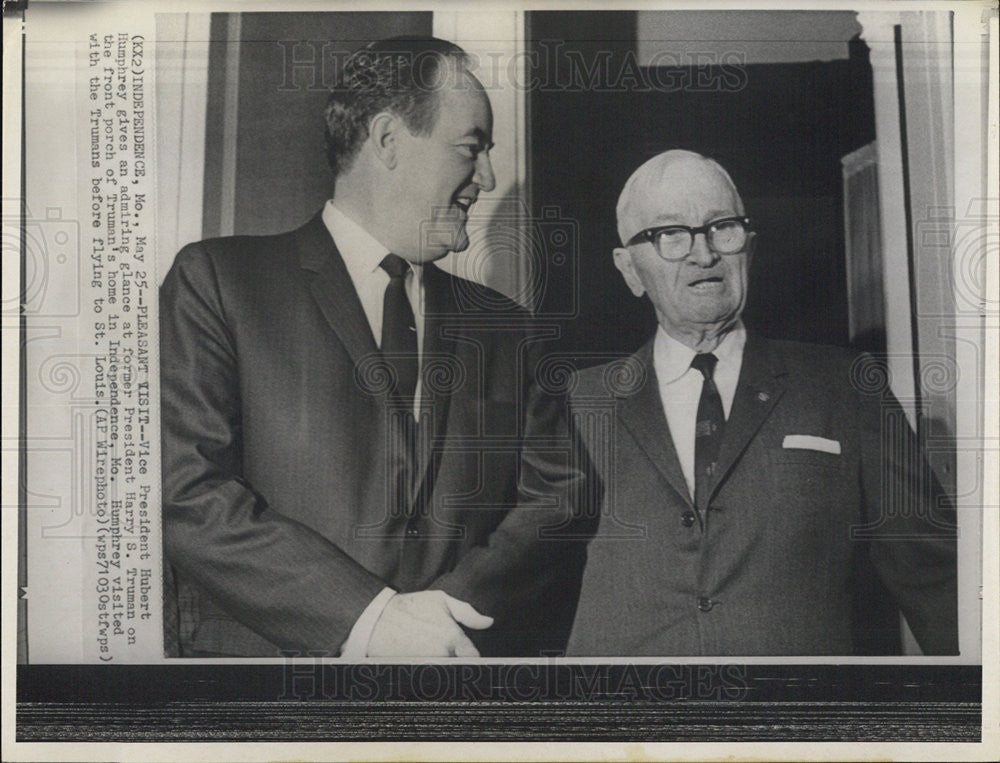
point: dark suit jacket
(278, 475)
(769, 571)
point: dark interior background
(780, 131)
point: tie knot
(394, 265)
(704, 362)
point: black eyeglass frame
(649, 235)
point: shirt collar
(672, 359)
(362, 253)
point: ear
(383, 132)
(623, 261)
(750, 245)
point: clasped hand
(425, 624)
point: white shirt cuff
(356, 645)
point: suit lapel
(333, 289)
(437, 360)
(760, 387)
(643, 416)
(439, 342)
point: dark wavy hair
(398, 74)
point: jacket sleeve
(532, 562)
(276, 576)
(911, 524)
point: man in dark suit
(743, 478)
(357, 460)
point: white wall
(946, 337)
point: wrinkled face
(439, 176)
(704, 292)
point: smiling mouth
(465, 203)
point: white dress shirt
(680, 387)
(362, 254)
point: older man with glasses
(744, 478)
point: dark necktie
(399, 330)
(711, 424)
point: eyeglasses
(674, 242)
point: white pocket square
(810, 442)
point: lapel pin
(763, 397)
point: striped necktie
(711, 425)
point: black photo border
(518, 702)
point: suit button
(687, 519)
(705, 604)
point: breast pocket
(808, 481)
(807, 457)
